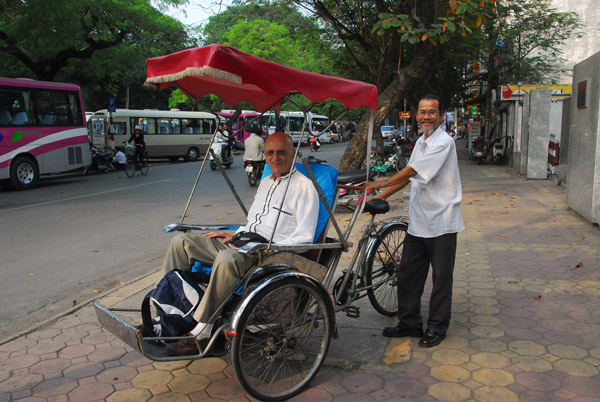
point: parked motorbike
(101, 161)
(479, 150)
(219, 149)
(314, 144)
(254, 170)
(498, 152)
(349, 198)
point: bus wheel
(192, 154)
(24, 173)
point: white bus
(168, 134)
(291, 123)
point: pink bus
(242, 119)
(42, 130)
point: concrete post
(539, 134)
(525, 133)
(583, 175)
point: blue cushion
(326, 177)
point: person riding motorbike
(254, 155)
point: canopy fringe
(193, 71)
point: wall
(538, 133)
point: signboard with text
(516, 92)
(404, 115)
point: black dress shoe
(398, 332)
(431, 338)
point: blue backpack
(175, 299)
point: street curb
(77, 307)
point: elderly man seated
(297, 224)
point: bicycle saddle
(377, 207)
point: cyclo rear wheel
(284, 335)
(130, 167)
(382, 268)
(145, 165)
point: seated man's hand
(224, 235)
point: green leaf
(450, 26)
(462, 7)
(413, 39)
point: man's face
(279, 154)
(429, 116)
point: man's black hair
(433, 97)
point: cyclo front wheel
(130, 167)
(383, 262)
(283, 338)
(145, 165)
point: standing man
(435, 220)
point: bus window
(190, 126)
(148, 125)
(119, 128)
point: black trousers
(418, 254)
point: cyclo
(279, 325)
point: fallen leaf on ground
(477, 200)
(579, 264)
(582, 236)
(501, 234)
(74, 303)
(469, 203)
(574, 244)
(555, 235)
(513, 281)
(485, 195)
(346, 219)
(220, 217)
(488, 213)
(496, 193)
(510, 206)
(206, 205)
(94, 251)
(538, 297)
(33, 324)
(229, 213)
(120, 283)
(495, 198)
(96, 291)
(186, 216)
(503, 213)
(31, 274)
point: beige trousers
(228, 266)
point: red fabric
(262, 83)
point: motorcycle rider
(254, 147)
(221, 139)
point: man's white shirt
(436, 192)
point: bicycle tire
(145, 165)
(130, 167)
(280, 349)
(383, 262)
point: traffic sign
(112, 104)
(98, 125)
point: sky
(198, 11)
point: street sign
(98, 125)
(450, 117)
(516, 92)
(112, 104)
(404, 115)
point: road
(73, 237)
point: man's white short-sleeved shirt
(436, 192)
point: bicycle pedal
(352, 311)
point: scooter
(498, 153)
(314, 143)
(219, 149)
(480, 150)
(254, 170)
(101, 161)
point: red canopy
(235, 76)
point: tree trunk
(388, 100)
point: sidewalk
(525, 325)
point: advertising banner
(516, 92)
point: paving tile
(17, 344)
(527, 348)
(55, 387)
(19, 362)
(575, 367)
(207, 366)
(189, 383)
(106, 354)
(315, 394)
(82, 370)
(490, 360)
(74, 351)
(117, 374)
(450, 373)
(50, 366)
(537, 396)
(538, 381)
(362, 382)
(152, 379)
(130, 395)
(405, 388)
(496, 394)
(493, 377)
(227, 389)
(449, 356)
(449, 392)
(20, 382)
(44, 334)
(91, 392)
